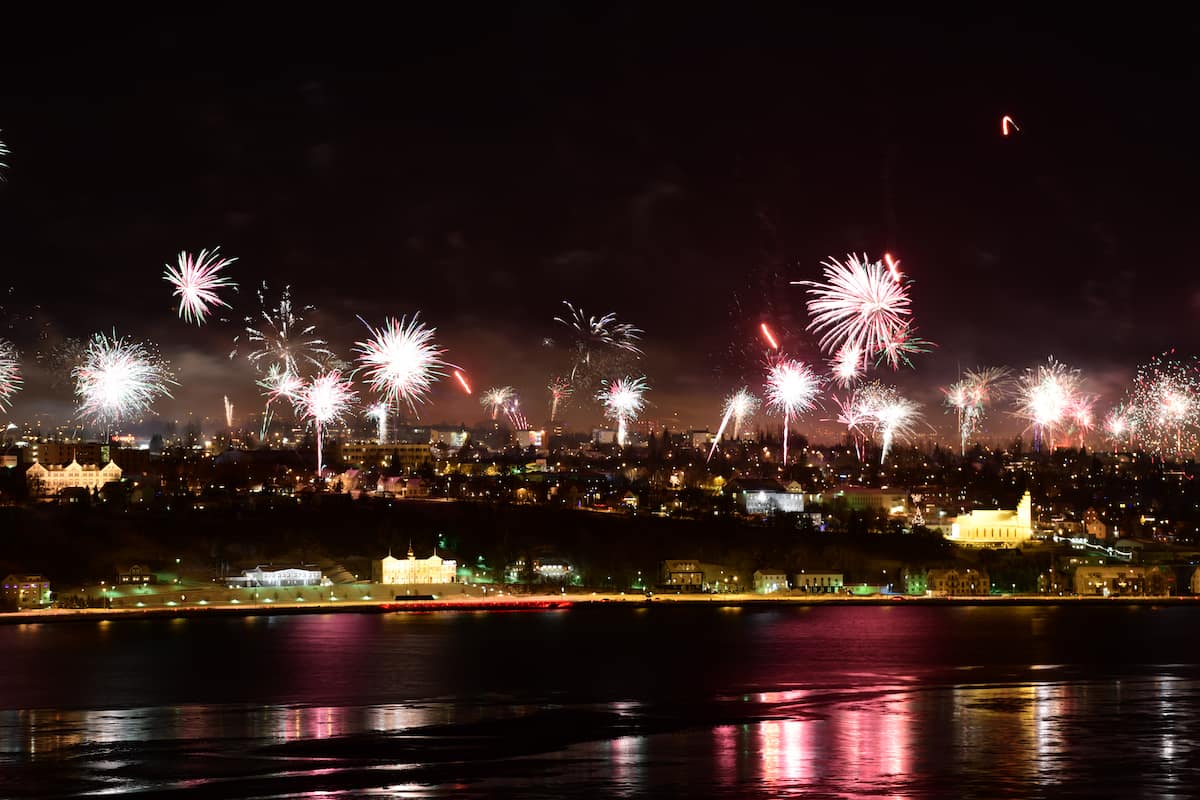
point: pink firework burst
(196, 281)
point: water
(837, 702)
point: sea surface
(816, 702)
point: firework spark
(277, 383)
(3, 165)
(623, 399)
(228, 414)
(10, 373)
(402, 360)
(324, 399)
(462, 381)
(864, 307)
(119, 378)
(1045, 396)
(791, 389)
(1118, 425)
(560, 391)
(1007, 122)
(196, 281)
(739, 407)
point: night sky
(676, 166)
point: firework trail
(599, 345)
(970, 397)
(10, 373)
(623, 399)
(1045, 397)
(228, 414)
(515, 417)
(3, 164)
(324, 399)
(862, 306)
(279, 335)
(462, 381)
(791, 389)
(119, 378)
(770, 337)
(379, 413)
(1007, 122)
(497, 399)
(560, 392)
(401, 360)
(739, 407)
(196, 281)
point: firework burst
(791, 389)
(862, 308)
(623, 399)
(119, 378)
(599, 345)
(196, 281)
(324, 399)
(379, 413)
(1163, 406)
(970, 398)
(1045, 396)
(739, 407)
(401, 360)
(895, 418)
(10, 373)
(497, 399)
(280, 335)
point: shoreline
(558, 602)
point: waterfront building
(49, 480)
(767, 581)
(413, 570)
(698, 576)
(26, 591)
(1123, 581)
(818, 582)
(272, 576)
(957, 582)
(995, 527)
(137, 575)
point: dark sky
(674, 165)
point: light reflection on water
(914, 704)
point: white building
(766, 496)
(767, 581)
(995, 527)
(434, 569)
(818, 582)
(51, 479)
(271, 576)
(526, 439)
